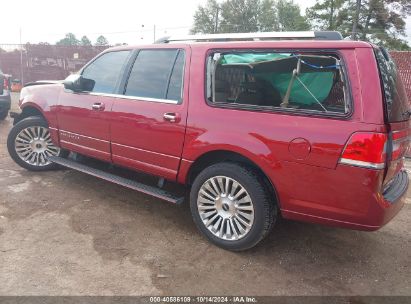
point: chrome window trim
(159, 100)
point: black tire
(3, 115)
(33, 121)
(265, 206)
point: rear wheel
(231, 206)
(29, 144)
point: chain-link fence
(32, 62)
(403, 61)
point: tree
(240, 16)
(248, 16)
(268, 16)
(207, 18)
(69, 39)
(379, 21)
(85, 41)
(324, 14)
(101, 41)
(289, 16)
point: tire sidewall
(255, 189)
(25, 123)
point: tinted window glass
(294, 81)
(396, 101)
(150, 75)
(105, 71)
(176, 79)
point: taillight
(400, 143)
(365, 149)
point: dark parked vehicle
(313, 128)
(5, 99)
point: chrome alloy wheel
(33, 145)
(225, 208)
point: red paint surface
(310, 183)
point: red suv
(302, 125)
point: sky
(120, 21)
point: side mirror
(73, 83)
(77, 83)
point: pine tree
(324, 14)
(379, 21)
(235, 16)
(289, 16)
(85, 41)
(101, 41)
(69, 39)
(207, 18)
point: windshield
(396, 101)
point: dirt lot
(66, 233)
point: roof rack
(315, 35)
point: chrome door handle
(98, 106)
(171, 117)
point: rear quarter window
(395, 98)
(297, 82)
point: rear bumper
(393, 198)
(351, 198)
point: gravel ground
(66, 233)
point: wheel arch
(29, 111)
(217, 156)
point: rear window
(395, 97)
(304, 82)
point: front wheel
(29, 144)
(232, 206)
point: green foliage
(101, 41)
(324, 14)
(237, 16)
(206, 18)
(380, 21)
(289, 16)
(268, 16)
(85, 41)
(69, 39)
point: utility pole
(21, 60)
(216, 20)
(356, 19)
(154, 32)
(330, 25)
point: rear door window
(157, 74)
(395, 96)
(270, 80)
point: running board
(128, 183)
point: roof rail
(315, 35)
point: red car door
(83, 117)
(148, 122)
